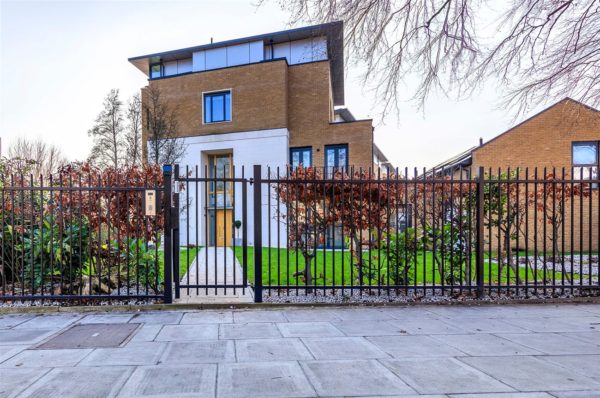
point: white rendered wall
(265, 147)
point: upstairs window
(217, 107)
(156, 70)
(336, 158)
(301, 156)
(585, 161)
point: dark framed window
(586, 160)
(336, 158)
(156, 70)
(301, 156)
(217, 107)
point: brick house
(565, 136)
(273, 99)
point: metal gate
(206, 232)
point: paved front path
(215, 266)
(491, 351)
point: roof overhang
(334, 31)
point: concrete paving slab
(343, 348)
(536, 310)
(483, 325)
(271, 350)
(427, 326)
(310, 315)
(363, 314)
(371, 328)
(258, 316)
(263, 379)
(146, 332)
(207, 351)
(505, 395)
(548, 325)
(135, 354)
(531, 374)
(485, 345)
(552, 343)
(207, 317)
(589, 337)
(106, 318)
(443, 375)
(171, 381)
(353, 377)
(188, 332)
(592, 322)
(576, 394)
(19, 336)
(13, 381)
(105, 382)
(414, 346)
(163, 317)
(46, 358)
(50, 321)
(7, 352)
(9, 321)
(588, 365)
(248, 331)
(308, 329)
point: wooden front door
(224, 223)
(220, 202)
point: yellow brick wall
(545, 140)
(311, 112)
(258, 97)
(270, 95)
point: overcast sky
(59, 59)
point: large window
(336, 158)
(585, 160)
(217, 107)
(301, 156)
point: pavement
(215, 266)
(503, 351)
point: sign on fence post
(150, 202)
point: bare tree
(541, 50)
(42, 158)
(133, 134)
(107, 133)
(164, 144)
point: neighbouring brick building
(274, 99)
(565, 136)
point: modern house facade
(272, 99)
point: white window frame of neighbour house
(205, 93)
(589, 170)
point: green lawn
(186, 257)
(336, 268)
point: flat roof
(334, 31)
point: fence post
(168, 236)
(175, 229)
(479, 245)
(257, 181)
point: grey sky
(59, 59)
